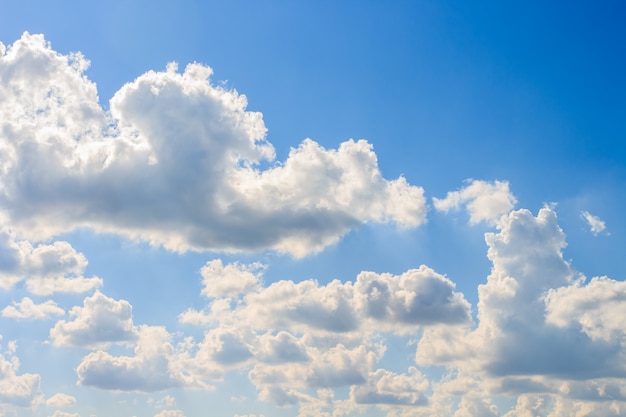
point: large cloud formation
(180, 162)
(176, 161)
(544, 336)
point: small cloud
(484, 201)
(60, 413)
(60, 400)
(170, 413)
(101, 320)
(26, 309)
(596, 224)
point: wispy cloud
(596, 225)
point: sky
(409, 208)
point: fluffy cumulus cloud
(180, 162)
(60, 400)
(230, 280)
(292, 338)
(596, 225)
(101, 321)
(176, 161)
(598, 307)
(46, 268)
(385, 387)
(153, 366)
(21, 390)
(541, 329)
(298, 337)
(484, 201)
(394, 303)
(27, 309)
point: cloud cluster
(176, 161)
(291, 337)
(27, 309)
(541, 328)
(180, 162)
(101, 321)
(151, 368)
(21, 390)
(46, 268)
(543, 334)
(60, 400)
(382, 301)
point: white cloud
(597, 307)
(381, 301)
(385, 387)
(226, 346)
(170, 413)
(484, 201)
(306, 336)
(26, 309)
(47, 269)
(596, 225)
(230, 280)
(546, 405)
(20, 390)
(539, 328)
(101, 320)
(175, 162)
(474, 407)
(167, 401)
(59, 413)
(60, 400)
(153, 367)
(280, 349)
(374, 301)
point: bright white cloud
(599, 307)
(21, 390)
(230, 280)
(178, 162)
(280, 349)
(385, 387)
(306, 336)
(539, 329)
(394, 303)
(60, 400)
(101, 320)
(484, 201)
(26, 309)
(156, 365)
(47, 269)
(175, 162)
(596, 225)
(418, 297)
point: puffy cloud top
(174, 162)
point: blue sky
(312, 209)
